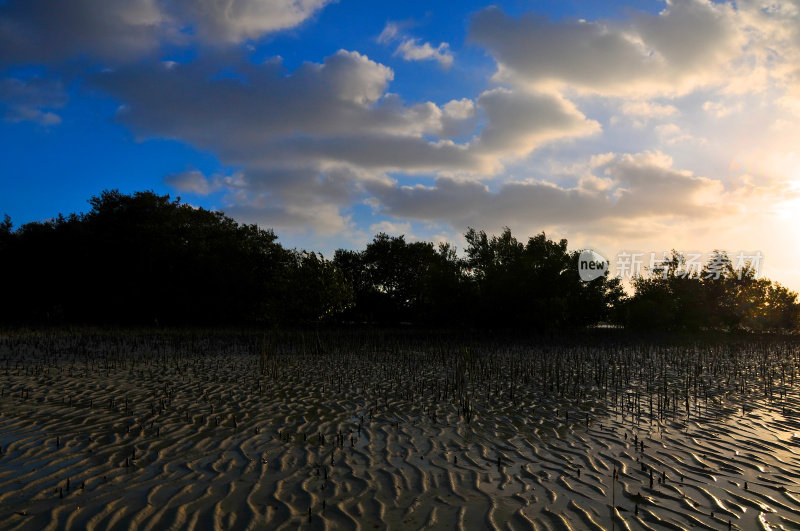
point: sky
(640, 126)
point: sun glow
(789, 209)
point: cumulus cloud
(730, 49)
(123, 30)
(324, 219)
(458, 117)
(520, 121)
(238, 20)
(327, 128)
(683, 47)
(289, 199)
(774, 45)
(192, 181)
(334, 112)
(412, 49)
(307, 145)
(626, 189)
(44, 30)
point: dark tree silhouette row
(719, 297)
(144, 259)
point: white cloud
(318, 134)
(704, 94)
(685, 46)
(412, 49)
(459, 109)
(623, 190)
(238, 20)
(518, 122)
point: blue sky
(639, 125)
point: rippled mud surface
(229, 431)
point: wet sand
(149, 433)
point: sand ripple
(190, 430)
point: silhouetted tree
(394, 280)
(720, 296)
(316, 289)
(145, 258)
(534, 285)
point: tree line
(146, 259)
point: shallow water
(153, 435)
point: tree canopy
(718, 297)
(145, 258)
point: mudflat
(226, 430)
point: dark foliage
(145, 259)
(718, 297)
(396, 281)
(534, 284)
